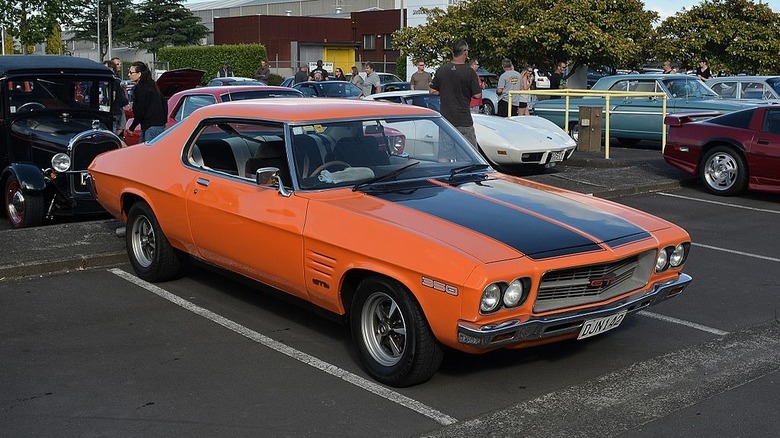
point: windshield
(71, 93)
(348, 153)
(688, 87)
(775, 84)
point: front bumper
(513, 331)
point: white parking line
(703, 328)
(733, 251)
(725, 204)
(312, 361)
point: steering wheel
(30, 106)
(328, 165)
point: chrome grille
(593, 283)
(82, 154)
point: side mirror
(269, 177)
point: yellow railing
(599, 93)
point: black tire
(391, 334)
(151, 255)
(723, 171)
(574, 131)
(488, 108)
(622, 141)
(23, 208)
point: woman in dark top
(149, 108)
(339, 75)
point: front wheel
(574, 131)
(488, 108)
(151, 255)
(723, 171)
(392, 336)
(24, 209)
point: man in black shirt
(556, 77)
(456, 83)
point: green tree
(738, 36)
(540, 32)
(162, 23)
(84, 26)
(54, 44)
(31, 21)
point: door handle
(762, 141)
(203, 181)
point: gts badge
(439, 286)
(320, 283)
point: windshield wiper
(385, 177)
(464, 169)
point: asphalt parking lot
(92, 350)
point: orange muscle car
(417, 247)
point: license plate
(83, 176)
(557, 156)
(596, 326)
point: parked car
(746, 87)
(183, 103)
(729, 153)
(384, 78)
(517, 141)
(636, 118)
(489, 96)
(340, 89)
(288, 81)
(170, 82)
(55, 118)
(397, 86)
(416, 252)
(233, 80)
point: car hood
(522, 130)
(173, 81)
(55, 129)
(491, 220)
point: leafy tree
(84, 26)
(54, 44)
(31, 21)
(738, 36)
(162, 23)
(540, 32)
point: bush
(243, 58)
(275, 79)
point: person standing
(476, 104)
(556, 78)
(324, 73)
(263, 72)
(703, 71)
(226, 71)
(526, 84)
(356, 78)
(302, 75)
(118, 103)
(338, 75)
(421, 79)
(149, 108)
(371, 84)
(510, 80)
(456, 83)
(668, 70)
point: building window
(388, 41)
(369, 42)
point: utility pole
(100, 55)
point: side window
(619, 86)
(754, 90)
(772, 122)
(726, 90)
(191, 103)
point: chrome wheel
(143, 241)
(24, 209)
(384, 329)
(721, 171)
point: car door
(235, 223)
(764, 161)
(636, 117)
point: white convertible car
(516, 141)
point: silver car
(746, 87)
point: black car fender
(29, 176)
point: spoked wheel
(395, 343)
(574, 131)
(151, 255)
(487, 107)
(723, 171)
(24, 209)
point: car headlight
(60, 162)
(491, 298)
(661, 263)
(515, 293)
(679, 255)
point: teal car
(640, 118)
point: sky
(666, 8)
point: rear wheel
(723, 171)
(24, 209)
(488, 108)
(151, 255)
(391, 334)
(574, 131)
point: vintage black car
(54, 119)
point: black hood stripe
(604, 227)
(533, 236)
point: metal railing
(567, 94)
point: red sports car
(730, 153)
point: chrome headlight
(678, 255)
(661, 263)
(514, 293)
(491, 298)
(60, 162)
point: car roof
(232, 89)
(315, 110)
(38, 64)
(743, 78)
(403, 93)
